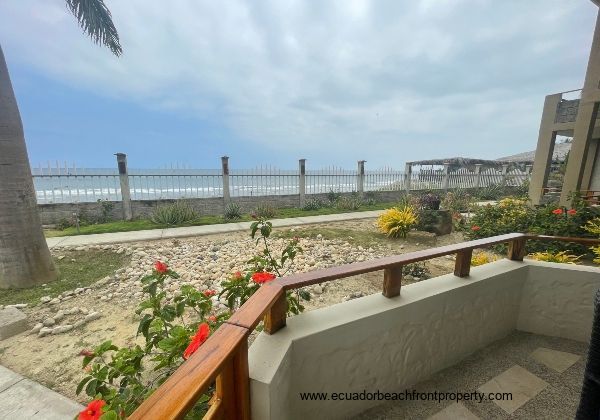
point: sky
(270, 82)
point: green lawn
(145, 224)
(77, 269)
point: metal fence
(62, 184)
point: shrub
(265, 211)
(313, 204)
(429, 202)
(514, 215)
(106, 208)
(593, 226)
(556, 257)
(348, 203)
(397, 222)
(173, 214)
(418, 270)
(483, 258)
(490, 192)
(175, 324)
(457, 201)
(333, 196)
(232, 211)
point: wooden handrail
(223, 358)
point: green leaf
(109, 415)
(82, 384)
(90, 389)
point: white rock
(37, 328)
(59, 315)
(45, 299)
(48, 322)
(92, 316)
(44, 332)
(54, 301)
(318, 289)
(62, 329)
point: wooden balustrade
(223, 359)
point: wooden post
(446, 176)
(516, 249)
(360, 178)
(302, 181)
(478, 175)
(462, 267)
(407, 176)
(225, 168)
(124, 181)
(392, 281)
(275, 318)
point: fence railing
(72, 185)
(223, 358)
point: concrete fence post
(446, 176)
(407, 176)
(302, 181)
(504, 174)
(225, 169)
(527, 172)
(124, 181)
(478, 175)
(360, 178)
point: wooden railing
(223, 359)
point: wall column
(504, 174)
(360, 178)
(446, 176)
(544, 149)
(407, 176)
(302, 181)
(225, 169)
(478, 175)
(124, 181)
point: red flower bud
(237, 274)
(86, 353)
(209, 293)
(572, 212)
(557, 211)
(212, 318)
(475, 228)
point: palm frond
(95, 19)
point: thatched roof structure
(462, 162)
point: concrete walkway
(21, 398)
(155, 234)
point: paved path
(154, 234)
(22, 398)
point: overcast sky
(274, 81)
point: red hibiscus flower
(212, 318)
(93, 411)
(572, 212)
(161, 267)
(237, 274)
(262, 277)
(209, 293)
(197, 340)
(475, 228)
(557, 211)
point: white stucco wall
(374, 343)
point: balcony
(475, 330)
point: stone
(454, 411)
(12, 322)
(37, 328)
(79, 323)
(318, 289)
(59, 315)
(517, 380)
(61, 329)
(92, 316)
(44, 332)
(556, 360)
(17, 306)
(54, 301)
(48, 322)
(45, 299)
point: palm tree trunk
(24, 256)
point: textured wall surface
(557, 300)
(374, 343)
